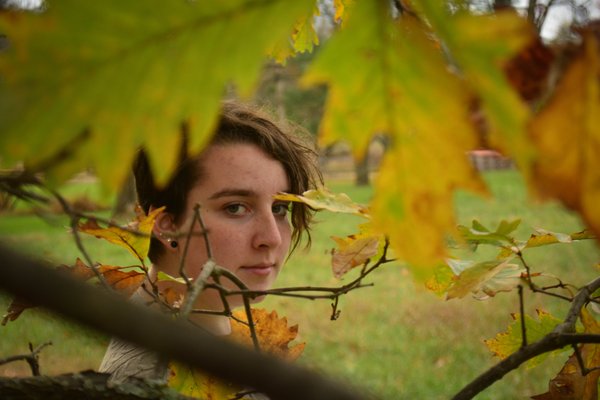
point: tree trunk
(361, 169)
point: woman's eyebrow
(232, 193)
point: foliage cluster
(437, 80)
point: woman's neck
(218, 325)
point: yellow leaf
(323, 199)
(135, 238)
(441, 280)
(340, 9)
(352, 251)
(194, 383)
(481, 45)
(274, 335)
(506, 343)
(566, 134)
(485, 279)
(395, 80)
(112, 67)
(303, 39)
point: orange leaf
(274, 335)
(568, 165)
(80, 270)
(172, 297)
(125, 282)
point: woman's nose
(267, 231)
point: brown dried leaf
(528, 70)
(352, 251)
(15, 309)
(125, 282)
(570, 384)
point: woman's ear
(165, 230)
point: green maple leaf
(129, 73)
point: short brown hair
(237, 124)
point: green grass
(395, 339)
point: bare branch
(32, 358)
(176, 340)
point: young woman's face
(249, 232)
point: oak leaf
(131, 72)
(125, 282)
(481, 46)
(135, 237)
(484, 279)
(570, 383)
(324, 199)
(528, 70)
(395, 81)
(197, 384)
(543, 237)
(506, 343)
(274, 337)
(441, 280)
(567, 166)
(479, 234)
(273, 333)
(352, 251)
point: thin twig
(32, 358)
(74, 219)
(182, 272)
(197, 288)
(246, 295)
(532, 286)
(522, 309)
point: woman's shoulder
(124, 360)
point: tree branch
(87, 385)
(562, 335)
(177, 340)
(31, 358)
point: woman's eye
(236, 209)
(280, 209)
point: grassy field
(395, 339)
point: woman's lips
(261, 270)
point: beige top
(124, 360)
